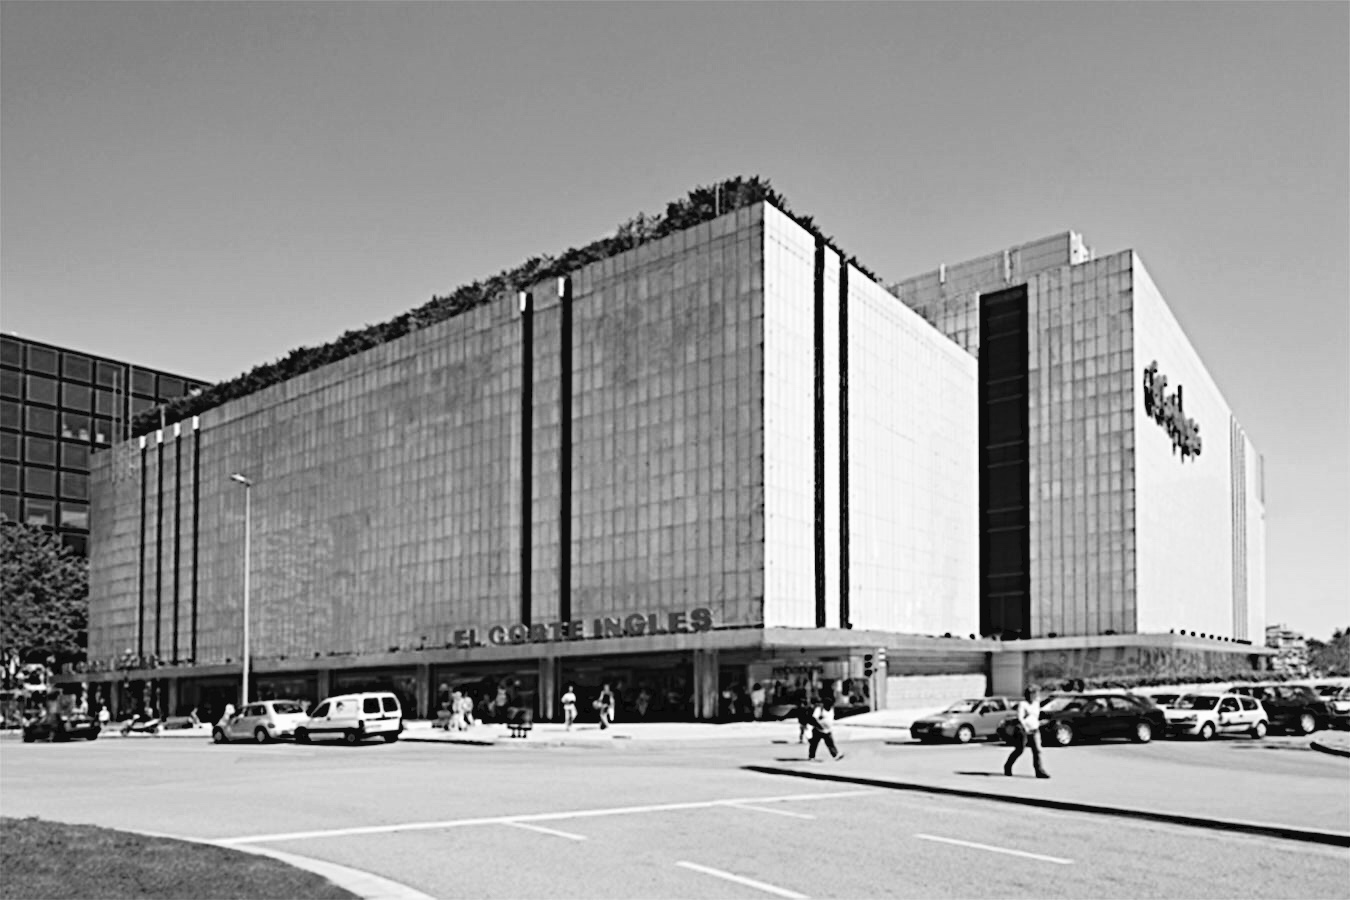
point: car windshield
(963, 706)
(1058, 704)
(287, 709)
(1196, 701)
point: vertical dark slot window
(177, 534)
(526, 426)
(140, 575)
(1005, 524)
(159, 543)
(565, 457)
(196, 523)
(818, 340)
(844, 532)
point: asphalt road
(459, 821)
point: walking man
(569, 705)
(822, 729)
(1027, 730)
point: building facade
(58, 406)
(1119, 495)
(723, 458)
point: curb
(1287, 832)
(1327, 748)
(366, 885)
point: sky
(201, 187)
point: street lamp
(248, 527)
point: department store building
(722, 458)
(1122, 504)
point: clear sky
(201, 187)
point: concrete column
(549, 689)
(424, 691)
(1007, 673)
(171, 704)
(705, 684)
(323, 684)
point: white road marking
(542, 830)
(531, 817)
(776, 812)
(1049, 859)
(740, 879)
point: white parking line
(991, 849)
(542, 830)
(529, 817)
(740, 879)
(776, 812)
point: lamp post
(248, 528)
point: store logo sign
(1166, 410)
(635, 625)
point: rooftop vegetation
(701, 205)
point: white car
(353, 718)
(1204, 715)
(262, 722)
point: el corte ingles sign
(635, 625)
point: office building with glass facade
(57, 406)
(1120, 498)
(725, 457)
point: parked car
(1206, 714)
(1293, 708)
(353, 718)
(1164, 699)
(56, 727)
(262, 722)
(1066, 718)
(964, 720)
(1339, 708)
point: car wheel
(965, 734)
(28, 737)
(350, 737)
(1206, 731)
(1307, 723)
(1063, 734)
(91, 736)
(1143, 732)
(390, 737)
(218, 736)
(260, 735)
(301, 736)
(1259, 730)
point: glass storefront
(649, 688)
(402, 683)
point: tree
(44, 597)
(1331, 658)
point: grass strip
(56, 861)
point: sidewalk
(1304, 797)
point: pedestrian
(1027, 730)
(104, 716)
(569, 705)
(822, 729)
(605, 705)
(228, 715)
(757, 700)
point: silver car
(261, 722)
(964, 720)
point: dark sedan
(1292, 708)
(62, 727)
(1066, 718)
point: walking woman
(822, 729)
(1027, 731)
(569, 705)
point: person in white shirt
(822, 729)
(569, 705)
(1028, 731)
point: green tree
(44, 596)
(1330, 658)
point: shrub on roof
(702, 204)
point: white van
(353, 718)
